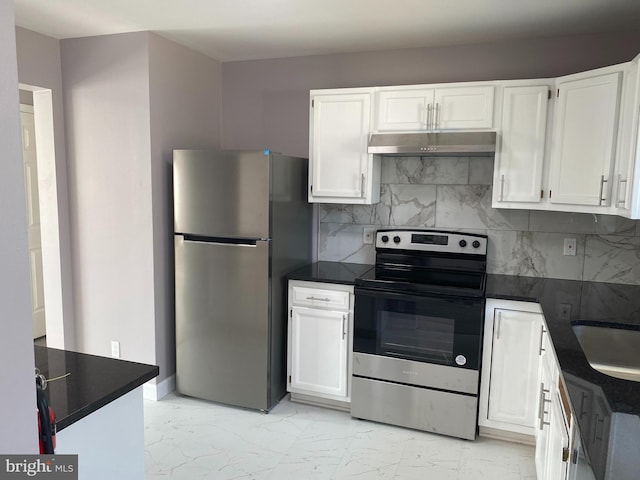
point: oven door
(429, 328)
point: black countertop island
(92, 383)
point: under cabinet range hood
(431, 144)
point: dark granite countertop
(93, 381)
(330, 272)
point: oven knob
(384, 238)
(476, 244)
(461, 360)
(462, 243)
(396, 239)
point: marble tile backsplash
(455, 194)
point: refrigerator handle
(244, 242)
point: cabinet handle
(344, 324)
(542, 332)
(599, 420)
(541, 410)
(362, 185)
(429, 114)
(602, 182)
(623, 202)
(437, 120)
(583, 397)
(319, 299)
(502, 188)
(498, 325)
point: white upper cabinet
(340, 168)
(626, 191)
(426, 107)
(520, 156)
(585, 137)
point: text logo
(51, 467)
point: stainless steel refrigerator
(241, 223)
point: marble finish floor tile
(190, 439)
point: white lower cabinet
(510, 366)
(521, 395)
(320, 343)
(552, 434)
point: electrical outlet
(564, 311)
(569, 246)
(115, 349)
(368, 233)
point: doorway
(29, 159)
(56, 290)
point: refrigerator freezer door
(222, 322)
(221, 193)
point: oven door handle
(382, 293)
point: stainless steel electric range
(418, 322)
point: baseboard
(159, 390)
(343, 405)
(499, 434)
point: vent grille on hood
(441, 143)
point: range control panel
(432, 241)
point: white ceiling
(255, 29)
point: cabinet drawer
(333, 299)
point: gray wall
(265, 102)
(106, 105)
(130, 99)
(17, 402)
(185, 96)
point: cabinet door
(514, 386)
(463, 107)
(340, 125)
(543, 421)
(520, 157)
(406, 109)
(558, 444)
(318, 348)
(584, 140)
(629, 150)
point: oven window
(411, 335)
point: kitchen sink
(611, 348)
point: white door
(319, 351)
(405, 109)
(463, 107)
(514, 386)
(584, 140)
(520, 157)
(558, 443)
(338, 145)
(33, 219)
(543, 421)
